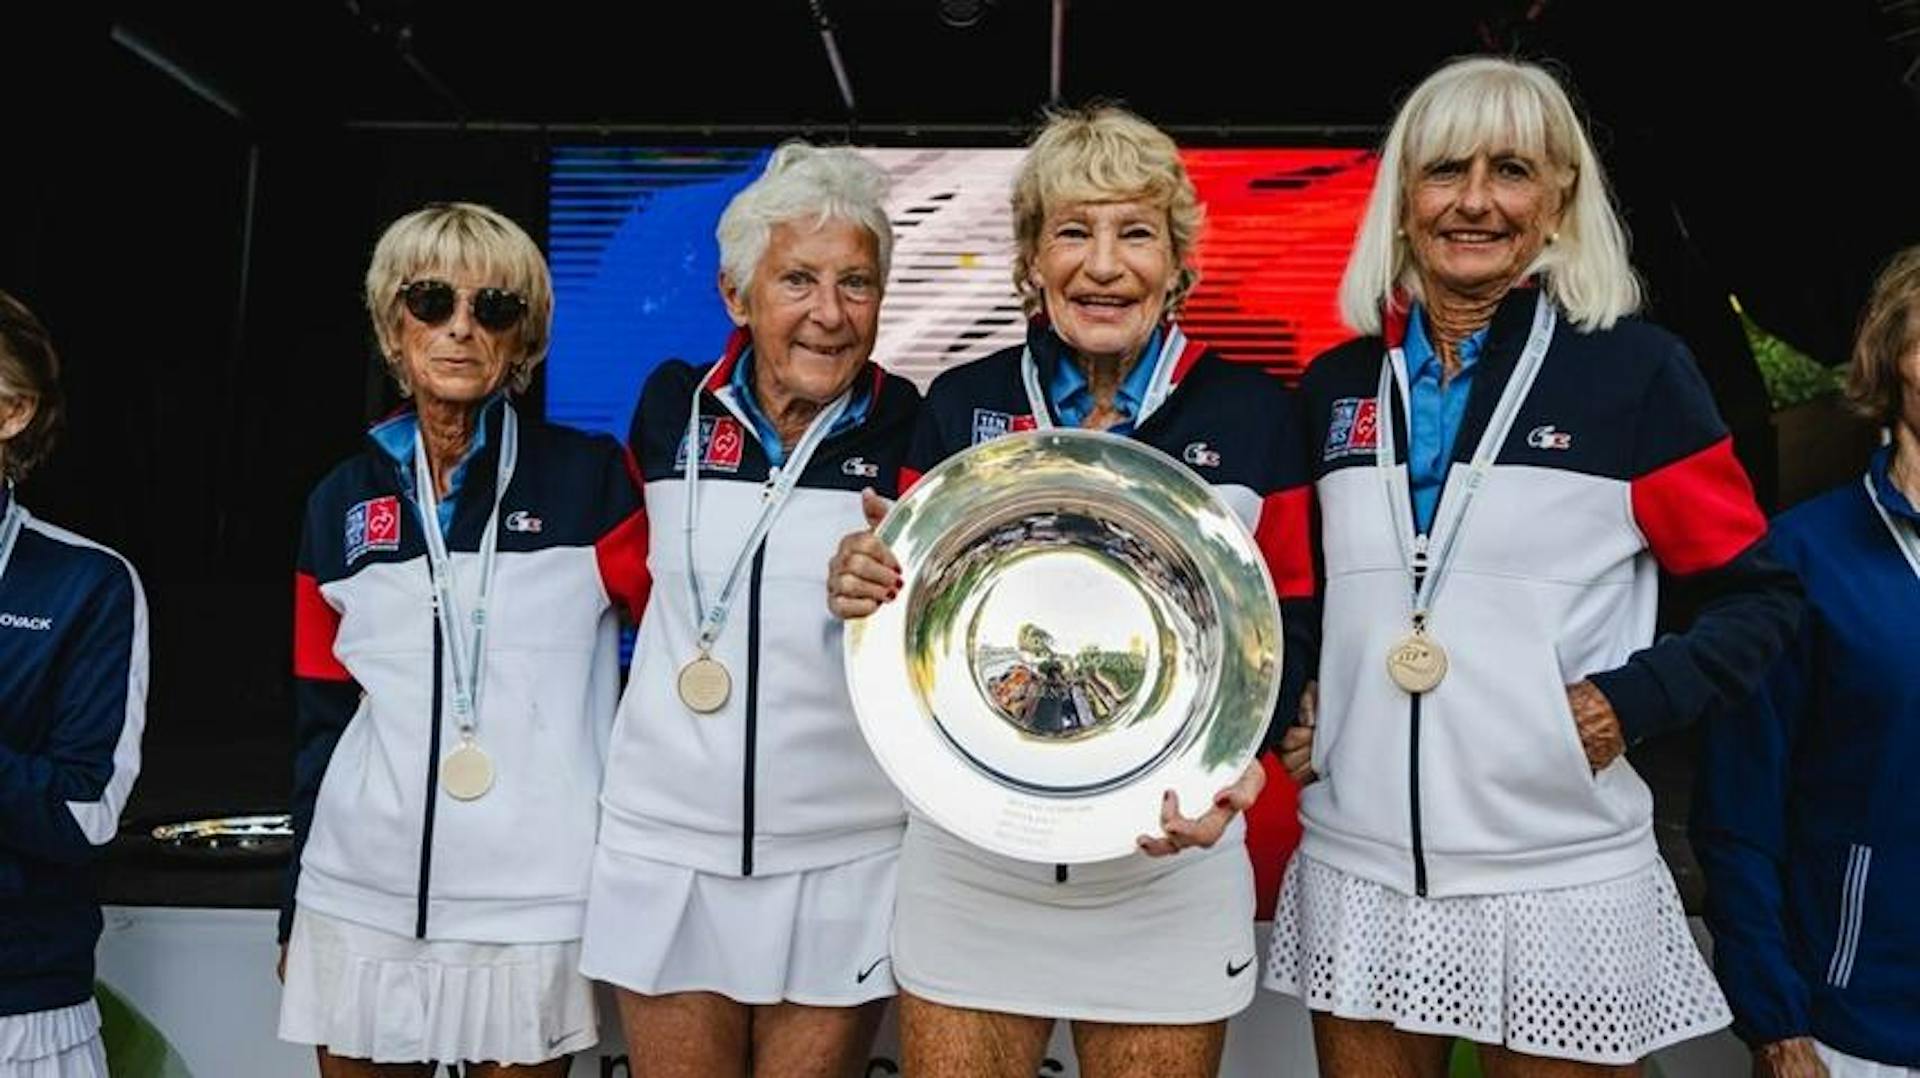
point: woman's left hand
(1599, 727)
(1179, 832)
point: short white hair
(815, 184)
(1492, 104)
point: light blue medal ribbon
(704, 683)
(1174, 343)
(466, 772)
(1417, 662)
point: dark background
(191, 192)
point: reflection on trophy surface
(1078, 614)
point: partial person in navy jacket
(1805, 820)
(1506, 462)
(73, 697)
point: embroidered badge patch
(988, 425)
(722, 443)
(373, 525)
(1354, 428)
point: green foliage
(135, 1047)
(1791, 375)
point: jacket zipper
(433, 791)
(1413, 799)
(1413, 746)
(753, 700)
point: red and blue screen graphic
(635, 263)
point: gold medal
(1417, 662)
(466, 773)
(705, 685)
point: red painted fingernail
(892, 593)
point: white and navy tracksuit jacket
(779, 779)
(378, 842)
(1617, 467)
(1237, 427)
(73, 697)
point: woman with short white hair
(743, 885)
(1505, 462)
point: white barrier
(204, 980)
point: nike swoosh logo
(1234, 970)
(861, 977)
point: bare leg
(793, 1040)
(332, 1066)
(1111, 1050)
(937, 1041)
(1352, 1049)
(684, 1035)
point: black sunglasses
(433, 302)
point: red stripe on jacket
(1184, 362)
(1698, 512)
(622, 554)
(315, 625)
(1284, 535)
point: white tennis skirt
(1841, 1065)
(1138, 940)
(363, 993)
(817, 937)
(61, 1043)
(1599, 973)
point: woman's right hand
(1790, 1058)
(863, 573)
(280, 967)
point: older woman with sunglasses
(456, 670)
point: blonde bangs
(1488, 113)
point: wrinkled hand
(862, 573)
(1599, 727)
(1791, 1058)
(1296, 745)
(1179, 832)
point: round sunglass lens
(430, 301)
(497, 308)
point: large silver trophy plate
(1084, 625)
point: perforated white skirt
(1599, 973)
